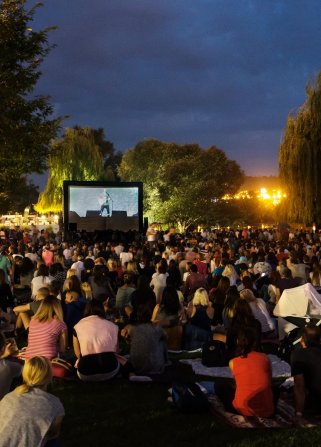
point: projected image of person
(106, 205)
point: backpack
(215, 353)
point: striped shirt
(43, 338)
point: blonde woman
(202, 311)
(29, 415)
(47, 330)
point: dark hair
(128, 278)
(170, 301)
(42, 270)
(55, 268)
(89, 264)
(243, 316)
(26, 267)
(246, 340)
(311, 335)
(75, 285)
(2, 277)
(94, 307)
(232, 295)
(2, 342)
(100, 273)
(144, 313)
(193, 268)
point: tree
(300, 159)
(75, 156)
(25, 125)
(18, 195)
(183, 184)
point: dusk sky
(212, 72)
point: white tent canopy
(299, 302)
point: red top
(253, 377)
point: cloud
(223, 72)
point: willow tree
(300, 159)
(75, 156)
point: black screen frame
(101, 184)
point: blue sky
(212, 72)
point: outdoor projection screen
(101, 206)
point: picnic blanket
(280, 369)
(282, 419)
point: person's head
(36, 373)
(310, 336)
(26, 267)
(73, 283)
(245, 341)
(71, 296)
(132, 267)
(89, 264)
(193, 268)
(49, 309)
(128, 278)
(285, 272)
(144, 313)
(243, 315)
(232, 296)
(224, 284)
(170, 301)
(42, 293)
(162, 267)
(100, 274)
(94, 307)
(247, 295)
(201, 298)
(247, 282)
(42, 270)
(71, 272)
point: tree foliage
(183, 184)
(25, 125)
(79, 155)
(300, 159)
(18, 195)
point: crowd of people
(92, 301)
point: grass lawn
(120, 413)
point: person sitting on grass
(9, 369)
(252, 372)
(148, 352)
(306, 371)
(252, 393)
(47, 330)
(29, 415)
(24, 312)
(95, 342)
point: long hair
(201, 298)
(50, 308)
(170, 301)
(245, 341)
(36, 373)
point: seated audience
(95, 342)
(30, 416)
